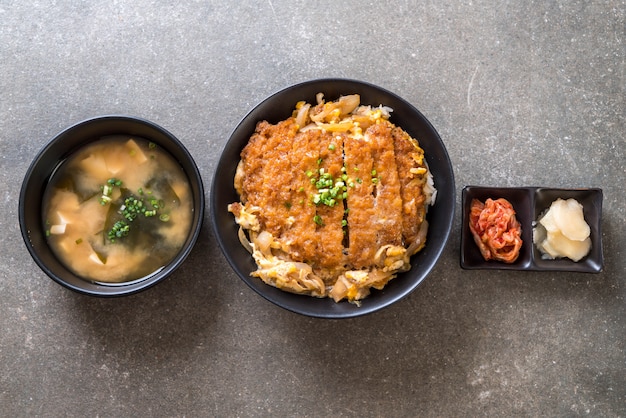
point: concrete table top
(522, 94)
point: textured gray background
(523, 93)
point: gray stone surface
(523, 93)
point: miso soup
(117, 210)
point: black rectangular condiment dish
(529, 203)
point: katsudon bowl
(74, 141)
(279, 106)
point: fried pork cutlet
(334, 201)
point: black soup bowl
(279, 106)
(52, 155)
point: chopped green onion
(120, 229)
(330, 190)
(130, 208)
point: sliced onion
(303, 115)
(264, 241)
(348, 103)
(420, 240)
(244, 240)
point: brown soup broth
(117, 210)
